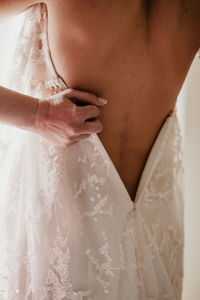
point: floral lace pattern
(69, 230)
(58, 283)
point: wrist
(42, 110)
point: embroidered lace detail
(68, 228)
(58, 285)
(158, 207)
(106, 269)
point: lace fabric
(68, 227)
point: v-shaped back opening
(151, 161)
(153, 156)
(156, 144)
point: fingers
(92, 127)
(84, 97)
(68, 122)
(87, 112)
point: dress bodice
(69, 227)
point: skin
(66, 123)
(57, 119)
(136, 54)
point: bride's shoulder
(177, 21)
(181, 9)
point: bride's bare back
(136, 54)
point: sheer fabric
(68, 227)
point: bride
(85, 216)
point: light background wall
(189, 115)
(190, 108)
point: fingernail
(102, 100)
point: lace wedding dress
(68, 227)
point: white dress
(68, 227)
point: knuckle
(69, 141)
(71, 126)
(95, 109)
(74, 130)
(77, 112)
(74, 109)
(66, 144)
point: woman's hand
(69, 117)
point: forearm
(17, 109)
